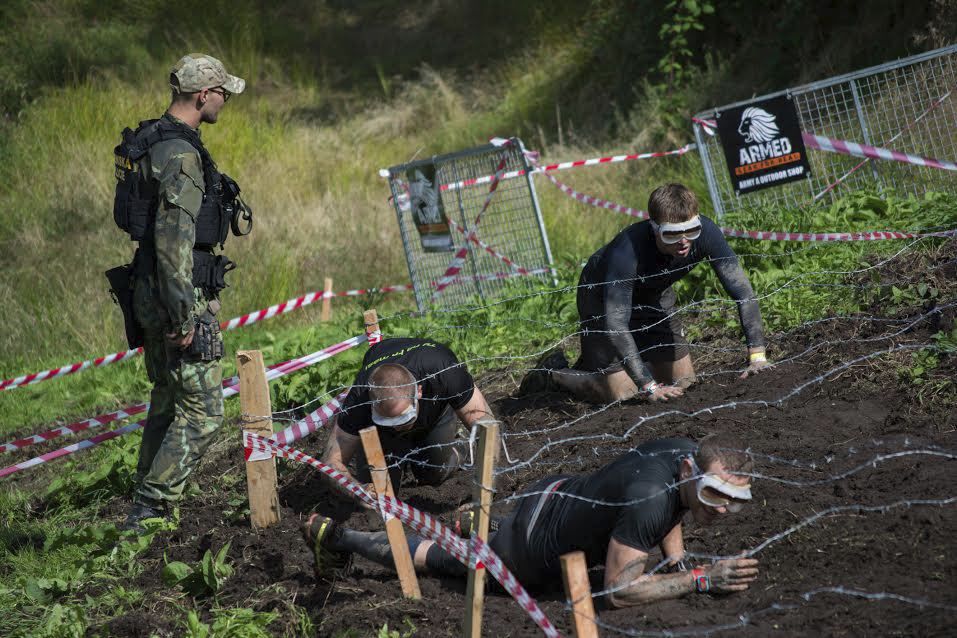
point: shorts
(657, 331)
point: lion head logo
(757, 125)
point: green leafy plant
(204, 578)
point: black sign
(763, 145)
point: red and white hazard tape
(244, 320)
(306, 426)
(118, 415)
(75, 428)
(36, 377)
(561, 166)
(845, 147)
(904, 130)
(770, 235)
(305, 300)
(591, 200)
(834, 145)
(494, 253)
(458, 261)
(275, 372)
(423, 524)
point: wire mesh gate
(496, 223)
(907, 105)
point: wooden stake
(371, 319)
(393, 526)
(260, 472)
(327, 302)
(578, 591)
(482, 493)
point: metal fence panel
(511, 224)
(907, 105)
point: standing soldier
(173, 201)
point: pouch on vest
(133, 205)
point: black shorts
(657, 331)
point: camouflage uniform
(186, 403)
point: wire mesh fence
(907, 105)
(452, 205)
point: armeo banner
(762, 144)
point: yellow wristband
(757, 357)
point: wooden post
(393, 526)
(327, 301)
(371, 319)
(260, 468)
(578, 591)
(482, 493)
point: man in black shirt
(632, 341)
(411, 390)
(616, 515)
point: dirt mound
(839, 556)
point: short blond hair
(391, 383)
(733, 453)
(672, 204)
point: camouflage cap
(197, 71)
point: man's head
(716, 480)
(673, 209)
(200, 83)
(394, 394)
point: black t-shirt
(635, 277)
(645, 479)
(445, 383)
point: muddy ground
(895, 563)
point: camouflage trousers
(186, 405)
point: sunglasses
(714, 492)
(223, 92)
(674, 233)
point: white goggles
(404, 418)
(715, 492)
(673, 233)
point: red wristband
(702, 582)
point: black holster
(209, 271)
(207, 344)
(121, 288)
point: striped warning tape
(458, 261)
(306, 426)
(561, 166)
(104, 419)
(423, 524)
(275, 372)
(244, 320)
(845, 147)
(833, 145)
(769, 235)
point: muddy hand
(665, 392)
(735, 574)
(755, 368)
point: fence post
(256, 410)
(482, 493)
(327, 301)
(865, 132)
(393, 526)
(578, 591)
(371, 320)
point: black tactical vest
(136, 199)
